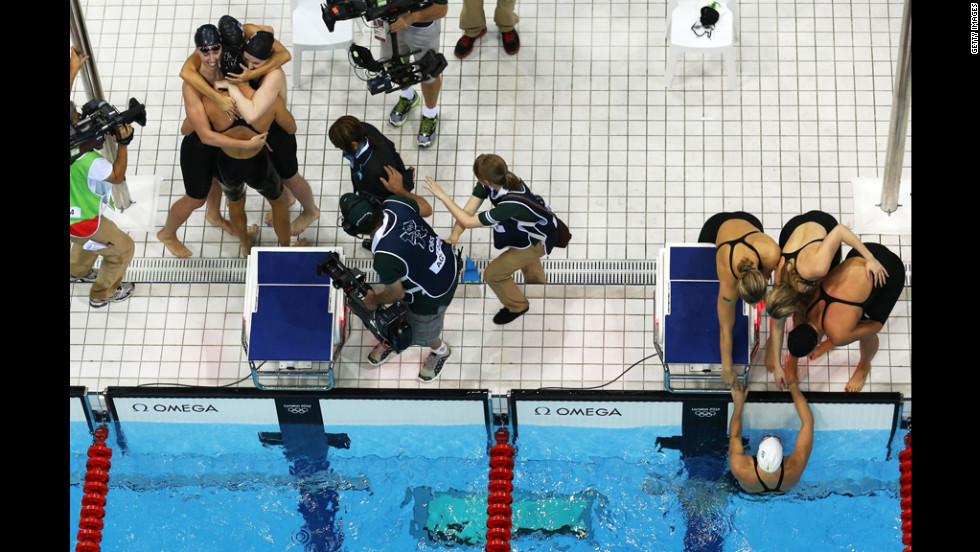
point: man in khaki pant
(90, 180)
(473, 22)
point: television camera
(388, 322)
(99, 119)
(391, 74)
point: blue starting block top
(691, 331)
(292, 318)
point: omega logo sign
(562, 411)
(140, 407)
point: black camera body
(99, 119)
(389, 323)
(342, 10)
(384, 75)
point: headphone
(350, 228)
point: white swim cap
(770, 454)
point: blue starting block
(686, 319)
(292, 317)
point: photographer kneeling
(413, 263)
(90, 180)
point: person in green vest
(90, 181)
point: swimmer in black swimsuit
(251, 167)
(811, 247)
(862, 312)
(256, 53)
(199, 147)
(769, 457)
(744, 260)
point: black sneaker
(464, 46)
(433, 365)
(506, 317)
(511, 42)
(122, 293)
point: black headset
(349, 227)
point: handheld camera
(388, 323)
(391, 74)
(100, 119)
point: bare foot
(174, 246)
(220, 222)
(821, 349)
(300, 243)
(250, 235)
(857, 380)
(302, 221)
(728, 376)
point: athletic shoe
(380, 354)
(400, 112)
(464, 46)
(427, 131)
(87, 279)
(511, 42)
(506, 317)
(122, 293)
(433, 365)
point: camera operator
(419, 30)
(413, 263)
(369, 152)
(90, 180)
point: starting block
(292, 317)
(686, 320)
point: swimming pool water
(250, 487)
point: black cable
(631, 366)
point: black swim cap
(802, 340)
(207, 35)
(260, 45)
(231, 61)
(232, 35)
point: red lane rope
(96, 486)
(499, 499)
(905, 459)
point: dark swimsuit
(766, 489)
(731, 252)
(880, 302)
(824, 219)
(256, 172)
(709, 232)
(283, 144)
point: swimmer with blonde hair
(811, 247)
(744, 260)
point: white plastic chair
(681, 14)
(310, 34)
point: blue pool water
(377, 488)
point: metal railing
(93, 89)
(898, 125)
